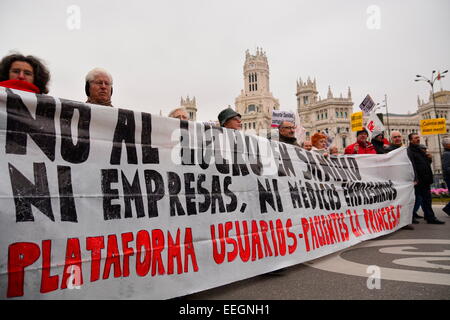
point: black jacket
(379, 146)
(287, 140)
(421, 164)
(391, 147)
(446, 164)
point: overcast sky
(159, 51)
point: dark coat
(446, 164)
(292, 141)
(421, 164)
(391, 147)
(379, 146)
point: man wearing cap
(423, 177)
(361, 146)
(230, 119)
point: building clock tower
(256, 102)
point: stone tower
(330, 115)
(306, 94)
(256, 102)
(191, 107)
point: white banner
(107, 203)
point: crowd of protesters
(29, 73)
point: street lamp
(431, 81)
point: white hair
(445, 141)
(172, 113)
(91, 74)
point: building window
(344, 142)
(251, 108)
(305, 100)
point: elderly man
(179, 113)
(446, 168)
(98, 87)
(423, 177)
(396, 141)
(230, 119)
(286, 132)
(307, 145)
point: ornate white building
(256, 102)
(330, 115)
(191, 107)
(409, 123)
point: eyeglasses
(25, 72)
(289, 128)
(100, 82)
(396, 137)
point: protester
(228, 118)
(423, 177)
(307, 145)
(319, 143)
(378, 143)
(334, 151)
(446, 168)
(396, 141)
(98, 87)
(286, 131)
(361, 146)
(25, 73)
(179, 113)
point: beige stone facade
(256, 102)
(409, 123)
(330, 115)
(190, 105)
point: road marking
(423, 262)
(335, 263)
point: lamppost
(431, 81)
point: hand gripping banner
(107, 203)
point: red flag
(439, 76)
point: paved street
(418, 260)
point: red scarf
(20, 85)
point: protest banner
(108, 203)
(433, 126)
(367, 105)
(279, 116)
(356, 121)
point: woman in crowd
(319, 143)
(26, 73)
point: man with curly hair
(26, 73)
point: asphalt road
(404, 265)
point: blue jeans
(424, 192)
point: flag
(374, 125)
